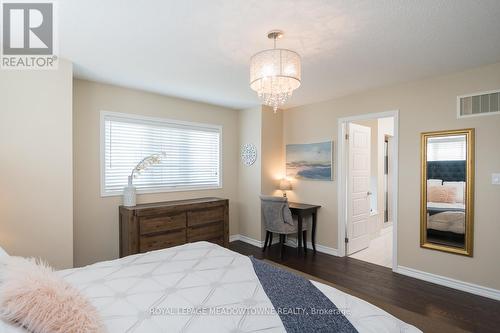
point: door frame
(342, 167)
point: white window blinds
(447, 148)
(192, 154)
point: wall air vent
(478, 104)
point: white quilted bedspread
(198, 287)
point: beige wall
(264, 128)
(36, 186)
(273, 157)
(96, 218)
(273, 162)
(300, 126)
(424, 105)
(249, 177)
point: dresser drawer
(205, 216)
(161, 223)
(205, 232)
(161, 241)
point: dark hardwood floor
(436, 304)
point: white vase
(129, 194)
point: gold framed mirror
(447, 191)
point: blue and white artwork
(312, 161)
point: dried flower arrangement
(144, 164)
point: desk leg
(304, 240)
(299, 234)
(313, 233)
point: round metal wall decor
(248, 154)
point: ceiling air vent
(479, 104)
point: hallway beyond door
(380, 250)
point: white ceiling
(200, 49)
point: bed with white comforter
(197, 287)
(451, 219)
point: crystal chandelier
(275, 73)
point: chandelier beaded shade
(275, 73)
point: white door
(358, 188)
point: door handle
(369, 193)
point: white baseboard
(249, 240)
(233, 238)
(320, 248)
(246, 239)
(324, 249)
(290, 242)
(449, 282)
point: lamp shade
(285, 185)
(274, 75)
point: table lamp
(285, 185)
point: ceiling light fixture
(275, 73)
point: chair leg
(304, 240)
(282, 246)
(265, 242)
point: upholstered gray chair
(278, 219)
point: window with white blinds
(447, 148)
(192, 160)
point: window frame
(138, 118)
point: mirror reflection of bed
(446, 190)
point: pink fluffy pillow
(451, 194)
(33, 296)
(445, 194)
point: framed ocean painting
(311, 161)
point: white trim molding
(291, 242)
(233, 238)
(246, 239)
(449, 282)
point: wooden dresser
(154, 226)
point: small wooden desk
(303, 210)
